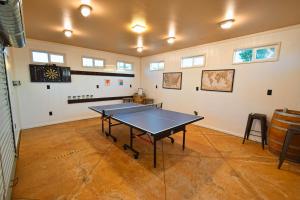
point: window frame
(277, 47)
(93, 58)
(193, 66)
(160, 61)
(125, 62)
(49, 57)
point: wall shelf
(72, 101)
(90, 73)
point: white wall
(35, 101)
(228, 111)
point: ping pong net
(132, 109)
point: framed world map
(218, 80)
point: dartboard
(51, 74)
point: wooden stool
(291, 132)
(263, 123)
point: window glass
(265, 53)
(56, 58)
(124, 66)
(99, 63)
(87, 62)
(187, 62)
(41, 57)
(243, 55)
(199, 61)
(128, 66)
(157, 66)
(161, 65)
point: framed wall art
(218, 80)
(172, 80)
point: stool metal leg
(263, 132)
(248, 127)
(266, 131)
(285, 146)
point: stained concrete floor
(75, 161)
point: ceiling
(193, 21)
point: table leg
(183, 139)
(102, 125)
(109, 130)
(109, 127)
(154, 152)
(130, 146)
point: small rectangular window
(194, 61)
(57, 58)
(87, 62)
(47, 57)
(123, 66)
(155, 66)
(265, 53)
(92, 62)
(243, 56)
(40, 57)
(98, 63)
(256, 54)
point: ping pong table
(150, 119)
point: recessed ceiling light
(227, 24)
(139, 49)
(68, 33)
(138, 28)
(85, 10)
(171, 40)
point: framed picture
(107, 82)
(172, 80)
(121, 82)
(217, 80)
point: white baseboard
(227, 132)
(59, 121)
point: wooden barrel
(279, 124)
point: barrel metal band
(287, 122)
(287, 114)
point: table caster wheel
(136, 156)
(124, 147)
(172, 140)
(115, 139)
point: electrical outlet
(269, 92)
(130, 86)
(97, 86)
(197, 88)
(48, 87)
(50, 113)
(156, 86)
(196, 113)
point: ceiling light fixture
(171, 40)
(138, 28)
(140, 49)
(227, 24)
(85, 10)
(68, 33)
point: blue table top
(147, 118)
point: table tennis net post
(141, 108)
